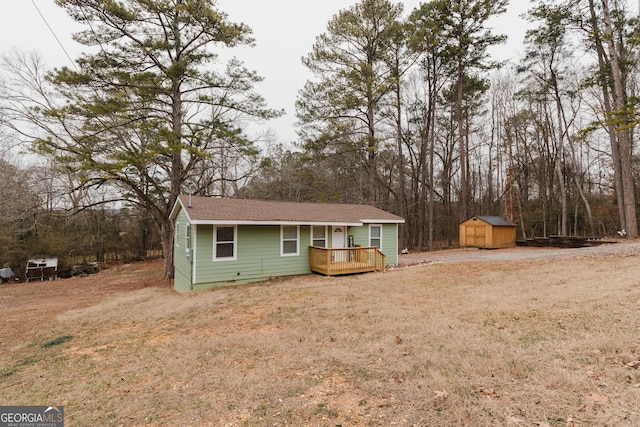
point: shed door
(476, 235)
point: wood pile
(562, 242)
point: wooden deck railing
(333, 262)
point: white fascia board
(383, 221)
(176, 210)
(235, 222)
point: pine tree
(147, 107)
(341, 110)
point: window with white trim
(375, 236)
(290, 238)
(319, 236)
(177, 234)
(225, 243)
(187, 240)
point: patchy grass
(517, 342)
(60, 340)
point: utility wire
(54, 34)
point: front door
(339, 240)
(338, 237)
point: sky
(284, 32)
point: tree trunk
(564, 209)
(624, 138)
(166, 239)
(177, 178)
(401, 181)
(574, 161)
(371, 155)
(142, 236)
(608, 110)
(464, 183)
(432, 143)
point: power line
(54, 34)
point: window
(319, 236)
(224, 243)
(177, 236)
(188, 237)
(290, 235)
(375, 236)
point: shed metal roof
(210, 210)
(497, 221)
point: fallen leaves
(491, 394)
(595, 397)
(592, 400)
(514, 420)
(441, 394)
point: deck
(334, 262)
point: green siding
(258, 257)
(182, 266)
(390, 243)
(360, 235)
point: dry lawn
(531, 341)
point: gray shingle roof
(238, 211)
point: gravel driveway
(624, 248)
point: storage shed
(487, 232)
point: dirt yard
(519, 337)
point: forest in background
(406, 111)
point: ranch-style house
(222, 241)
